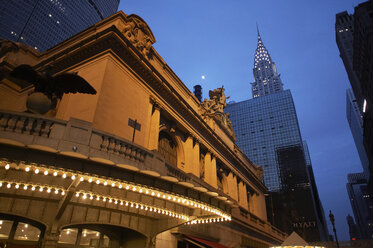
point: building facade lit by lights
(143, 163)
(268, 132)
(43, 24)
(266, 78)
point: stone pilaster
(154, 125)
(207, 167)
(188, 153)
(242, 193)
(232, 186)
(213, 173)
(196, 158)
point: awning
(209, 243)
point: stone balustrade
(26, 123)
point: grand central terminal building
(141, 163)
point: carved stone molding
(139, 34)
(155, 103)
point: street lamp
(331, 217)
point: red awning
(207, 242)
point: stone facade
(82, 169)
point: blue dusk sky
(217, 39)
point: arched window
(82, 237)
(19, 231)
(167, 148)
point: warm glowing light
(7, 166)
(166, 196)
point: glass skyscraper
(262, 126)
(268, 132)
(355, 122)
(360, 203)
(42, 24)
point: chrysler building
(266, 79)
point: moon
(203, 77)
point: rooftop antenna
(257, 29)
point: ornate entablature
(214, 108)
(139, 34)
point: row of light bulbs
(32, 187)
(128, 186)
(207, 220)
(92, 196)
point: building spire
(266, 79)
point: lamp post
(331, 217)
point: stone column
(213, 173)
(232, 186)
(188, 153)
(251, 203)
(196, 158)
(154, 126)
(260, 206)
(207, 167)
(242, 192)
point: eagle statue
(49, 89)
